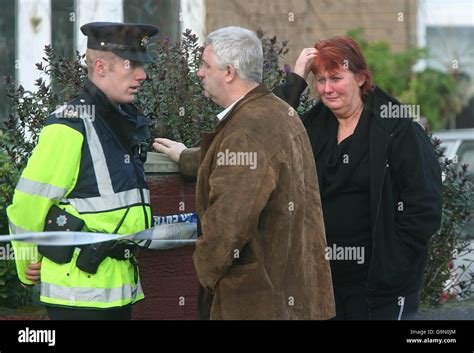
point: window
(451, 48)
(7, 53)
(62, 27)
(466, 156)
(161, 13)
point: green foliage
(30, 109)
(12, 295)
(172, 95)
(8, 178)
(273, 50)
(433, 90)
(448, 243)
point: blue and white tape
(177, 218)
(189, 219)
(162, 236)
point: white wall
(443, 13)
(92, 11)
(193, 16)
(31, 39)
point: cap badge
(145, 41)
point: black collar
(121, 121)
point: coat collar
(259, 91)
(126, 124)
(207, 137)
(373, 102)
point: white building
(26, 26)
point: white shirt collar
(223, 113)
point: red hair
(342, 52)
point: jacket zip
(147, 225)
(378, 208)
(132, 154)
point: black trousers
(72, 313)
(352, 304)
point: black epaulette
(70, 114)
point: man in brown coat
(261, 253)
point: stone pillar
(168, 277)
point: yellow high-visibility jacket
(86, 162)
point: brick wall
(168, 277)
(315, 20)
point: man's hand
(305, 62)
(169, 147)
(33, 273)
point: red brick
(169, 274)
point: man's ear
(100, 67)
(230, 73)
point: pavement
(460, 310)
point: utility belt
(92, 255)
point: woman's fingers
(305, 61)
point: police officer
(86, 173)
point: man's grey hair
(240, 48)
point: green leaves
(448, 243)
(172, 96)
(12, 295)
(273, 51)
(436, 92)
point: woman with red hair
(380, 183)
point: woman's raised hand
(305, 62)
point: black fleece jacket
(405, 191)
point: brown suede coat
(261, 255)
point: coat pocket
(246, 293)
(392, 267)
